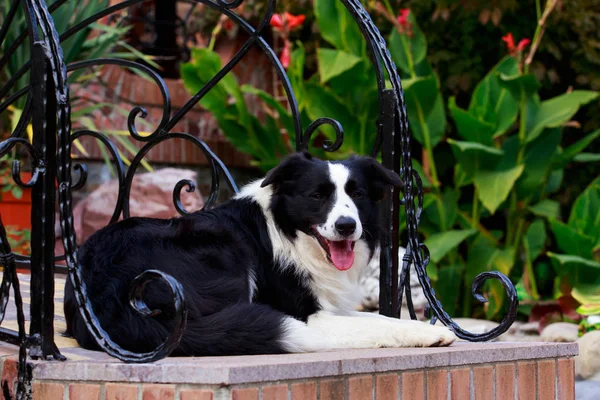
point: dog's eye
(316, 196)
(357, 194)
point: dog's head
(336, 203)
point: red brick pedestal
(464, 371)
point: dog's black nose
(345, 226)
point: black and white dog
(274, 270)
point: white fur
(338, 325)
(325, 330)
(343, 206)
(336, 291)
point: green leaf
(587, 157)
(571, 152)
(502, 261)
(570, 241)
(16, 192)
(534, 239)
(282, 113)
(332, 63)
(559, 110)
(337, 26)
(425, 110)
(589, 309)
(538, 161)
(585, 214)
(442, 212)
(322, 102)
(493, 103)
(408, 51)
(449, 279)
(441, 243)
(579, 272)
(493, 187)
(474, 156)
(547, 209)
(586, 294)
(521, 86)
(469, 127)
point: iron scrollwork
(48, 109)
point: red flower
(403, 18)
(277, 21)
(228, 25)
(510, 44)
(294, 21)
(522, 44)
(286, 21)
(286, 54)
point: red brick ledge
(466, 370)
(250, 369)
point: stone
(369, 284)
(151, 196)
(587, 363)
(560, 332)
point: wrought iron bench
(48, 109)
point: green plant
(97, 40)
(19, 240)
(509, 163)
(504, 150)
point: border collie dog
(274, 270)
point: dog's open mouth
(340, 252)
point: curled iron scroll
(327, 145)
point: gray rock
(587, 363)
(560, 332)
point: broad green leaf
(283, 114)
(449, 279)
(570, 241)
(547, 209)
(580, 272)
(587, 157)
(493, 103)
(440, 244)
(479, 257)
(321, 102)
(442, 212)
(425, 110)
(585, 214)
(589, 309)
(538, 161)
(559, 110)
(535, 239)
(473, 157)
(469, 126)
(408, 51)
(554, 181)
(337, 26)
(571, 152)
(332, 63)
(493, 187)
(295, 72)
(586, 294)
(521, 86)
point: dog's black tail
(240, 329)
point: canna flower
(286, 54)
(403, 18)
(513, 49)
(286, 21)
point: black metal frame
(48, 109)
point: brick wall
(543, 379)
(119, 86)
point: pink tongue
(342, 254)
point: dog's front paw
(434, 336)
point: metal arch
(48, 109)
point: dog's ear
(378, 176)
(289, 169)
(377, 172)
